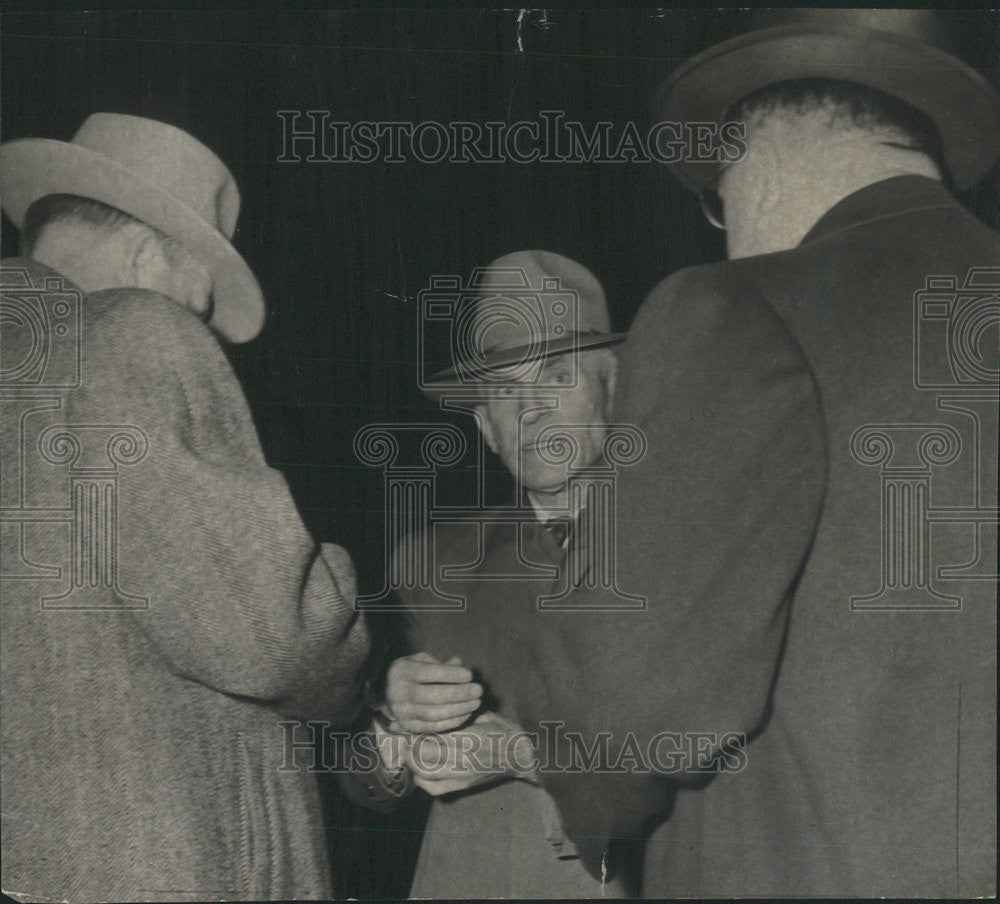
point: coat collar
(880, 201)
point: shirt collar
(882, 200)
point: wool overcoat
(164, 611)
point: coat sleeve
(713, 526)
(239, 596)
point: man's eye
(562, 378)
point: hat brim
(462, 378)
(31, 168)
(963, 105)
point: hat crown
(909, 54)
(170, 159)
(916, 24)
(532, 297)
(157, 174)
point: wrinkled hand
(423, 694)
(489, 749)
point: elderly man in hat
(874, 770)
(156, 634)
(534, 381)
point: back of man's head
(810, 143)
(828, 107)
(62, 210)
(99, 247)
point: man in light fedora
(870, 770)
(150, 654)
(496, 834)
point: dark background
(342, 250)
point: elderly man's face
(511, 420)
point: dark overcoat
(876, 775)
(501, 840)
(821, 425)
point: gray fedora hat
(527, 306)
(903, 52)
(156, 173)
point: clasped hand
(426, 702)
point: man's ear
(486, 427)
(145, 258)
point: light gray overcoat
(142, 749)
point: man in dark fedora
(164, 608)
(532, 382)
(876, 774)
(870, 770)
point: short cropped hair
(74, 208)
(849, 105)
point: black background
(342, 250)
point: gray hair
(63, 208)
(849, 106)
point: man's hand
(489, 749)
(423, 694)
(393, 747)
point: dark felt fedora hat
(908, 53)
(157, 173)
(525, 307)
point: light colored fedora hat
(526, 306)
(157, 173)
(903, 52)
